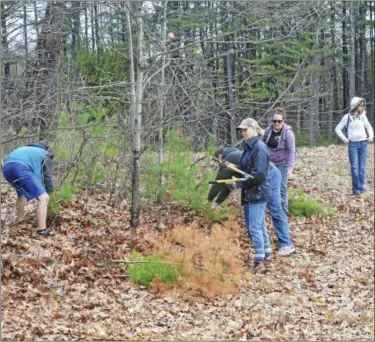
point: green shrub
(146, 269)
(53, 205)
(64, 194)
(302, 205)
(184, 183)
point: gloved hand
(232, 186)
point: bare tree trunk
(298, 123)
(92, 28)
(215, 76)
(123, 22)
(214, 106)
(135, 208)
(5, 48)
(362, 86)
(36, 20)
(110, 28)
(96, 23)
(131, 70)
(371, 86)
(352, 84)
(231, 98)
(209, 55)
(331, 106)
(162, 100)
(87, 44)
(230, 134)
(25, 29)
(315, 84)
(43, 80)
(345, 75)
(333, 79)
(76, 25)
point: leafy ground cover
(74, 285)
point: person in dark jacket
(24, 169)
(256, 190)
(220, 192)
(280, 220)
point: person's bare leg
(41, 211)
(20, 208)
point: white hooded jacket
(357, 125)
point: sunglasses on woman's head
(277, 121)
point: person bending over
(25, 168)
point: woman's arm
(340, 126)
(369, 129)
(291, 144)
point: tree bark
(371, 108)
(96, 23)
(231, 104)
(5, 49)
(36, 20)
(92, 28)
(76, 25)
(25, 30)
(362, 80)
(352, 83)
(87, 44)
(162, 100)
(315, 84)
(43, 77)
(333, 98)
(345, 74)
(135, 208)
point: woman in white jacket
(358, 133)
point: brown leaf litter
(53, 288)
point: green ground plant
(146, 269)
(302, 205)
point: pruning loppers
(231, 167)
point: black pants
(220, 191)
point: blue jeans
(256, 225)
(357, 156)
(279, 218)
(284, 187)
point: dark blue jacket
(256, 162)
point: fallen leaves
(53, 290)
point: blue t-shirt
(29, 156)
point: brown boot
(259, 268)
(268, 264)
